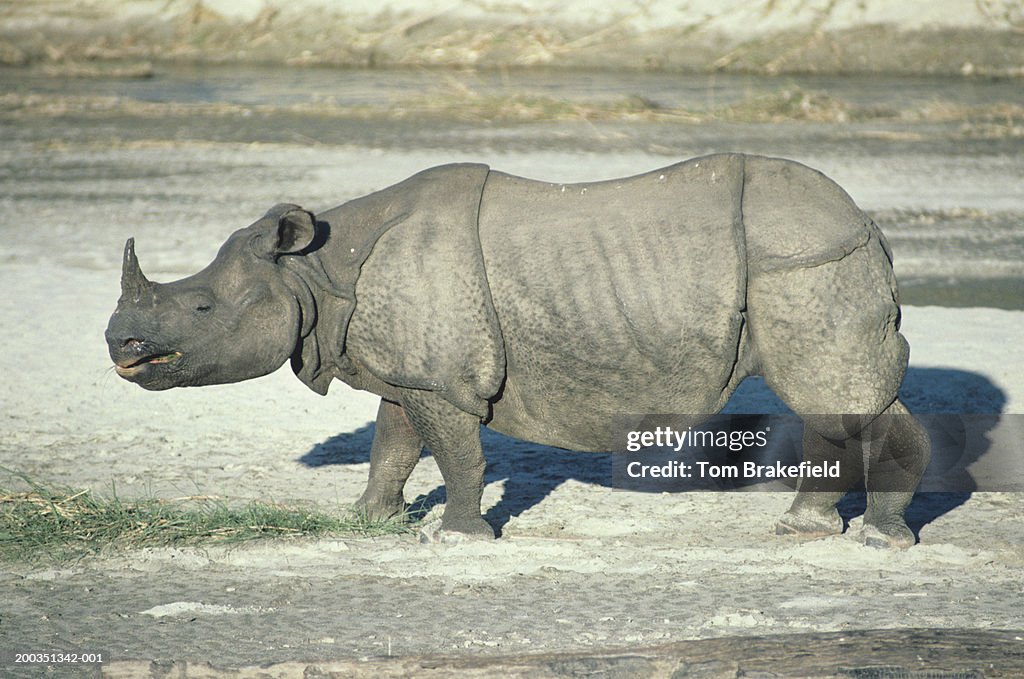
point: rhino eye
(203, 305)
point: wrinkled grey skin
(463, 295)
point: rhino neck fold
(324, 283)
(427, 223)
(319, 351)
(424, 317)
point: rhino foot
(377, 508)
(895, 535)
(469, 525)
(447, 531)
(809, 525)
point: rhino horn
(133, 282)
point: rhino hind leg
(897, 455)
(827, 342)
(453, 436)
(393, 455)
(889, 452)
(813, 512)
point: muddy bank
(880, 653)
(950, 37)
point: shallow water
(253, 85)
(951, 202)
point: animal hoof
(376, 509)
(888, 537)
(475, 526)
(805, 526)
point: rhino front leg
(453, 436)
(393, 455)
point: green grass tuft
(63, 524)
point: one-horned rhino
(464, 295)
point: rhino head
(240, 317)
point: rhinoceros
(463, 295)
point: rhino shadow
(532, 471)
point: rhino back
(616, 297)
(796, 217)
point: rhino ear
(291, 229)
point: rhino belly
(615, 298)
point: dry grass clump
(797, 104)
(61, 524)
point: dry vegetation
(83, 34)
(460, 102)
(61, 524)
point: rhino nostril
(131, 343)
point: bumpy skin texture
(464, 295)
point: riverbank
(943, 37)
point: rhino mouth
(137, 366)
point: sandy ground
(580, 566)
